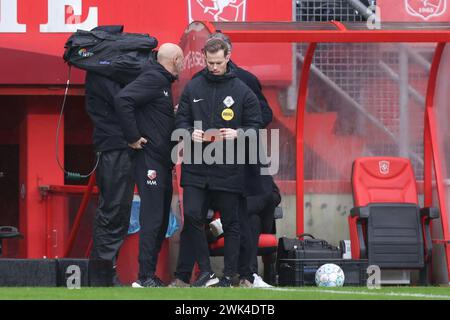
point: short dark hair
(215, 45)
(221, 36)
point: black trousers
(115, 181)
(246, 245)
(261, 218)
(154, 181)
(187, 253)
(192, 244)
(256, 216)
(193, 240)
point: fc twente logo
(217, 10)
(425, 9)
(151, 175)
(384, 167)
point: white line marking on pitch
(372, 293)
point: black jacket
(203, 99)
(253, 83)
(255, 184)
(100, 92)
(145, 109)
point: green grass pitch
(304, 293)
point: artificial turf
(305, 293)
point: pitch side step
(55, 273)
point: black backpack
(108, 51)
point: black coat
(203, 99)
(255, 184)
(100, 92)
(145, 109)
(253, 83)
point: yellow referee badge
(227, 114)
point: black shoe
(224, 282)
(150, 282)
(159, 282)
(205, 279)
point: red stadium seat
(387, 227)
(265, 245)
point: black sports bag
(306, 248)
(110, 52)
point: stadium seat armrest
(430, 212)
(362, 212)
(362, 243)
(9, 232)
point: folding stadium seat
(7, 232)
(267, 248)
(387, 227)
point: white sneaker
(216, 227)
(136, 285)
(258, 282)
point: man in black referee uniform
(145, 109)
(253, 187)
(218, 100)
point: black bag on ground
(309, 248)
(110, 52)
(299, 259)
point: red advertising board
(33, 32)
(414, 10)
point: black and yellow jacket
(218, 102)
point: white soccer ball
(330, 275)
